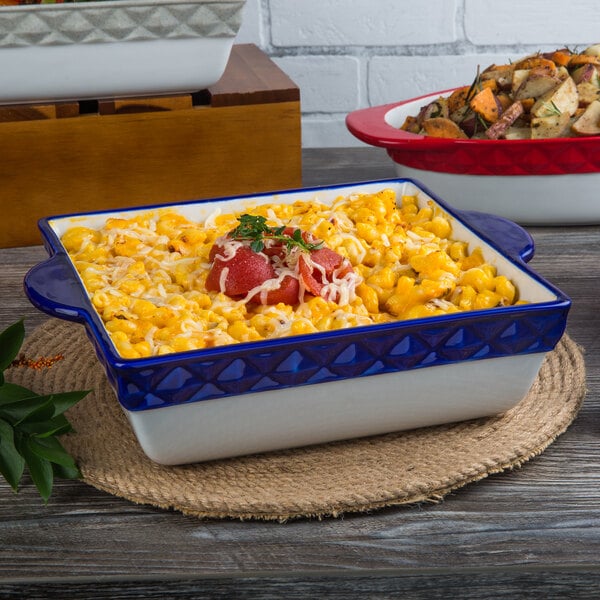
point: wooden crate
(240, 136)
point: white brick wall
(350, 54)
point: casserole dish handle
(54, 287)
(510, 238)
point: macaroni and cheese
(147, 275)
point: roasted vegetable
(554, 94)
(589, 122)
(442, 128)
(485, 104)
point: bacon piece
(316, 278)
(510, 115)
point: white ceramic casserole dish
(117, 48)
(307, 389)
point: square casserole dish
(306, 389)
(114, 48)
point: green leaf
(51, 449)
(56, 426)
(11, 340)
(66, 472)
(11, 392)
(257, 246)
(12, 463)
(39, 468)
(66, 400)
(38, 408)
(30, 424)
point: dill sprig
(254, 228)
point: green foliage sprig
(30, 425)
(254, 228)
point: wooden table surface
(533, 532)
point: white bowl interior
(397, 115)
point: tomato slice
(288, 293)
(247, 269)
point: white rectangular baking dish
(117, 48)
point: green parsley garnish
(254, 229)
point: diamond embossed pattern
(291, 363)
(51, 25)
(503, 157)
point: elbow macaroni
(146, 275)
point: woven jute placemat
(422, 465)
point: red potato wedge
(437, 108)
(518, 133)
(470, 123)
(518, 79)
(550, 127)
(537, 83)
(460, 114)
(563, 99)
(587, 92)
(502, 75)
(562, 73)
(589, 122)
(586, 73)
(593, 50)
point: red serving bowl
(541, 181)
